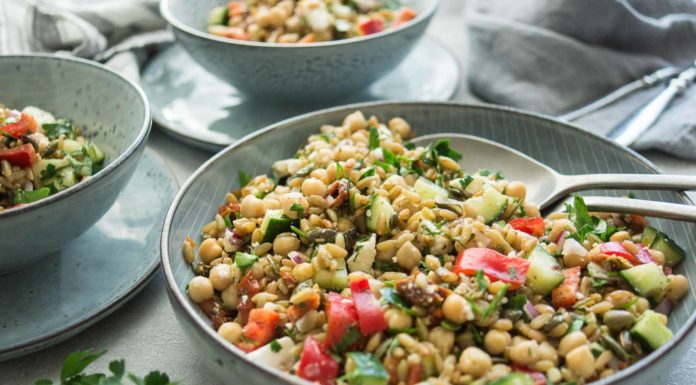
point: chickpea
(200, 289)
(620, 236)
(547, 352)
(252, 207)
(289, 199)
(408, 256)
(496, 341)
(271, 204)
(443, 339)
(303, 271)
(581, 361)
(231, 331)
(355, 122)
(455, 309)
(230, 297)
(209, 250)
(313, 186)
(400, 127)
(525, 352)
(657, 256)
(221, 276)
(475, 362)
(573, 260)
(572, 341)
(676, 288)
(285, 243)
(516, 190)
(397, 320)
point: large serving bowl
(294, 72)
(561, 146)
(112, 111)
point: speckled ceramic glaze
(101, 270)
(175, 85)
(294, 73)
(112, 111)
(563, 147)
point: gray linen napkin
(121, 33)
(553, 56)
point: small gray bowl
(112, 111)
(296, 73)
(566, 148)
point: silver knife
(628, 131)
(646, 81)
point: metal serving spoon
(547, 187)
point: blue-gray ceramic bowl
(565, 148)
(295, 73)
(112, 111)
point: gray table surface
(144, 331)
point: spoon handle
(673, 211)
(572, 183)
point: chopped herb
(587, 225)
(466, 181)
(228, 222)
(23, 196)
(598, 282)
(385, 166)
(410, 146)
(296, 207)
(275, 346)
(442, 148)
(244, 260)
(297, 231)
(497, 174)
(368, 173)
(389, 296)
(480, 279)
(368, 370)
(577, 324)
(411, 330)
(430, 228)
(244, 178)
(60, 127)
(517, 302)
(473, 306)
(340, 172)
(351, 336)
(496, 301)
(374, 138)
(513, 273)
(478, 338)
(326, 137)
(450, 325)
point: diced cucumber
(490, 204)
(544, 272)
(333, 280)
(41, 167)
(649, 236)
(379, 215)
(364, 255)
(65, 178)
(218, 16)
(648, 280)
(515, 378)
(71, 146)
(429, 190)
(273, 224)
(649, 329)
(476, 185)
(94, 153)
(673, 252)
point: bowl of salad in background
(351, 257)
(72, 134)
(298, 51)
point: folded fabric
(118, 32)
(553, 56)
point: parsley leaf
(60, 127)
(368, 173)
(374, 138)
(442, 147)
(585, 224)
(466, 181)
(389, 296)
(486, 172)
(244, 178)
(480, 280)
(275, 346)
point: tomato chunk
(26, 124)
(566, 294)
(316, 364)
(342, 323)
(404, 15)
(370, 26)
(496, 266)
(259, 330)
(370, 314)
(617, 248)
(533, 226)
(20, 156)
(236, 8)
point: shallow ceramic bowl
(111, 110)
(563, 147)
(294, 72)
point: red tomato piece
(370, 26)
(617, 248)
(496, 266)
(342, 317)
(20, 156)
(566, 294)
(533, 226)
(370, 314)
(316, 364)
(236, 8)
(405, 14)
(538, 377)
(17, 130)
(259, 330)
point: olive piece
(553, 322)
(321, 235)
(617, 320)
(350, 236)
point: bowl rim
(118, 161)
(177, 296)
(181, 26)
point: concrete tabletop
(145, 333)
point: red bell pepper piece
(404, 15)
(566, 294)
(370, 26)
(236, 8)
(248, 287)
(617, 248)
(259, 330)
(496, 266)
(316, 364)
(370, 314)
(533, 226)
(19, 129)
(20, 156)
(342, 317)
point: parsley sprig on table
(76, 363)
